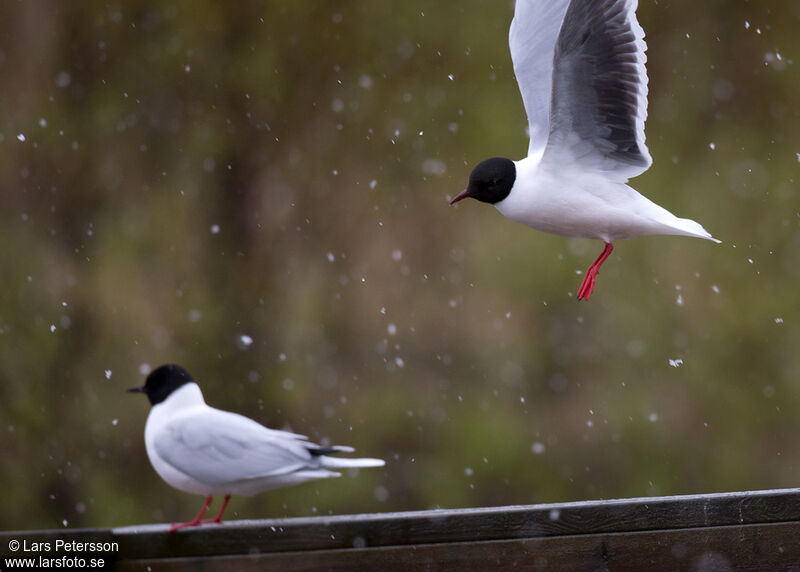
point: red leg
(218, 518)
(197, 519)
(587, 286)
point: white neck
(187, 395)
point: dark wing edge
(600, 87)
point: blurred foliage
(175, 176)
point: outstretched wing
(599, 99)
(532, 40)
(217, 447)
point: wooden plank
(463, 525)
(674, 531)
(747, 547)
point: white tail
(689, 227)
(334, 463)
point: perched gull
(201, 450)
(580, 68)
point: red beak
(462, 195)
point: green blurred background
(177, 176)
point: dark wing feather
(599, 102)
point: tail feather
(694, 228)
(334, 463)
(326, 462)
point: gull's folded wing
(216, 447)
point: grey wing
(218, 447)
(599, 102)
(532, 39)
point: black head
(162, 382)
(490, 181)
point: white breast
(180, 402)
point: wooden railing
(757, 530)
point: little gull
(201, 450)
(580, 69)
